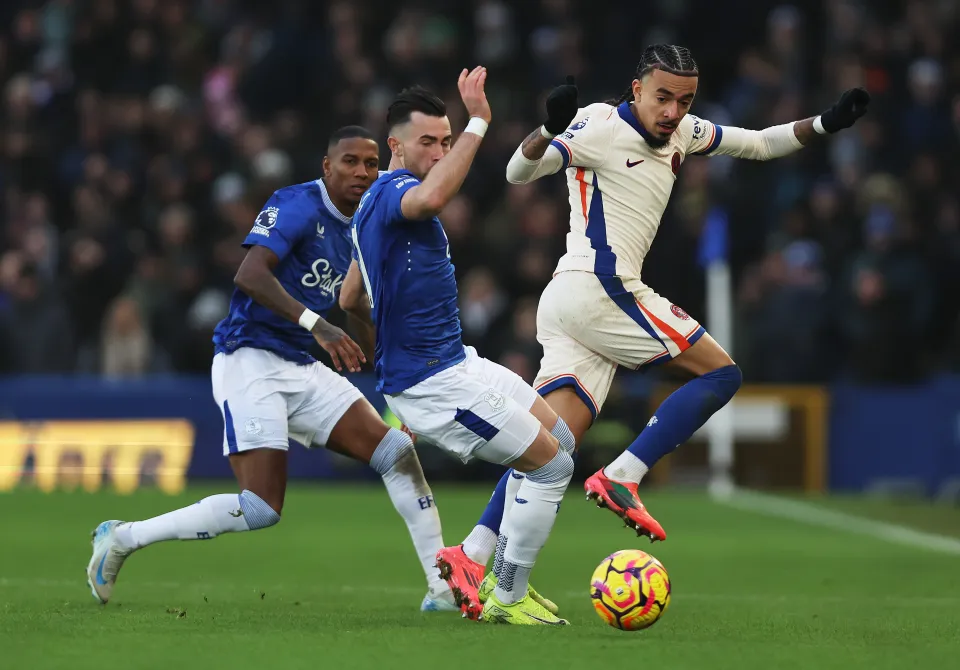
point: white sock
(222, 513)
(479, 544)
(529, 524)
(626, 468)
(413, 499)
(513, 485)
(498, 559)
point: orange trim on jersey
(713, 133)
(583, 195)
(695, 329)
(565, 146)
(677, 338)
(579, 383)
(611, 113)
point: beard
(658, 143)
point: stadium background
(139, 140)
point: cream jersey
(620, 185)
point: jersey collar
(336, 213)
(627, 115)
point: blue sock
(493, 512)
(679, 417)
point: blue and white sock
(529, 522)
(679, 417)
(205, 520)
(395, 459)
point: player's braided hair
(667, 57)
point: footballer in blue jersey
(444, 392)
(270, 388)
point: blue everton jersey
(409, 278)
(311, 237)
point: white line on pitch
(814, 515)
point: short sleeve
(392, 194)
(705, 136)
(586, 142)
(280, 224)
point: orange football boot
(464, 577)
(621, 498)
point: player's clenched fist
(340, 347)
(850, 107)
(471, 90)
(562, 106)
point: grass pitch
(337, 585)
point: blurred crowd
(139, 139)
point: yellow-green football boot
(489, 583)
(524, 612)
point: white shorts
(265, 400)
(589, 325)
(475, 409)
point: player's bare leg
(264, 472)
(622, 500)
(362, 434)
(705, 356)
(716, 378)
(568, 406)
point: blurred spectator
(139, 140)
(125, 347)
(35, 333)
(887, 304)
(482, 303)
(784, 313)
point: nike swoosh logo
(634, 164)
(100, 580)
(516, 475)
(521, 501)
(549, 623)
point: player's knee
(725, 382)
(258, 513)
(558, 470)
(393, 448)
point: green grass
(336, 585)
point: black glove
(561, 107)
(850, 107)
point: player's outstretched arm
(534, 159)
(442, 183)
(850, 107)
(256, 278)
(354, 301)
(782, 140)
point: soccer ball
(630, 589)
